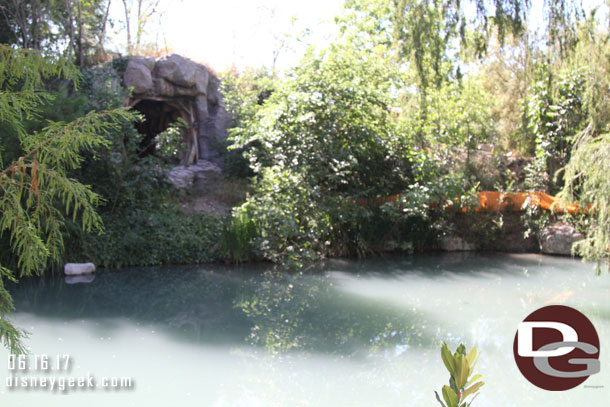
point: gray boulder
(202, 78)
(148, 62)
(163, 88)
(207, 175)
(77, 269)
(455, 244)
(138, 75)
(201, 174)
(181, 177)
(212, 90)
(558, 239)
(178, 70)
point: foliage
(458, 115)
(290, 227)
(145, 223)
(588, 183)
(324, 138)
(506, 73)
(77, 29)
(439, 37)
(237, 236)
(463, 383)
(243, 95)
(332, 123)
(244, 92)
(169, 144)
(555, 115)
(37, 194)
(157, 236)
(101, 85)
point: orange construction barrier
(498, 201)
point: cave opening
(159, 115)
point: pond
(346, 333)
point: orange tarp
(496, 201)
(499, 201)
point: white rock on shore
(77, 269)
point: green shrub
(155, 236)
(463, 383)
(555, 115)
(237, 235)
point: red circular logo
(556, 348)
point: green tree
(554, 114)
(506, 74)
(138, 15)
(333, 123)
(244, 93)
(587, 182)
(326, 137)
(37, 194)
(76, 28)
(437, 39)
(585, 176)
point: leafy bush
(463, 383)
(163, 235)
(243, 95)
(588, 183)
(170, 143)
(324, 144)
(323, 138)
(554, 115)
(237, 235)
(144, 221)
(332, 123)
(284, 211)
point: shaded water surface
(345, 334)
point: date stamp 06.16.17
(54, 373)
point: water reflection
(84, 279)
(278, 311)
(343, 307)
(344, 333)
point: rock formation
(197, 176)
(173, 87)
(558, 239)
(455, 244)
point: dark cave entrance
(159, 114)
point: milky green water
(346, 334)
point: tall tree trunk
(128, 27)
(70, 28)
(80, 34)
(139, 27)
(146, 9)
(35, 26)
(104, 25)
(19, 8)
